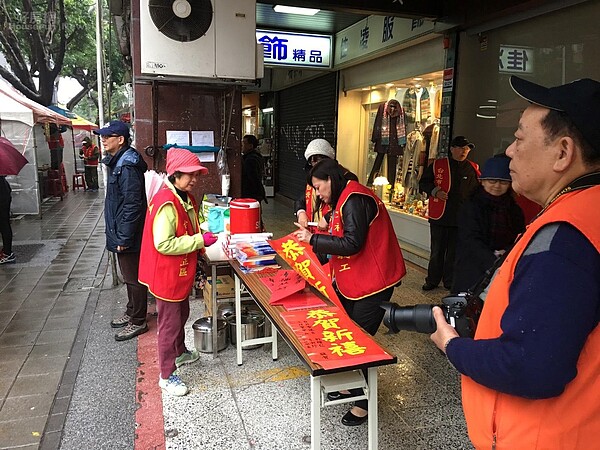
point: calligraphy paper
(304, 261)
(301, 300)
(283, 284)
(331, 339)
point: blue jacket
(125, 204)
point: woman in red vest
(170, 244)
(364, 255)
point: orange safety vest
(379, 264)
(168, 277)
(569, 421)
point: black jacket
(358, 213)
(463, 184)
(125, 204)
(475, 246)
(5, 190)
(252, 175)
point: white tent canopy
(21, 122)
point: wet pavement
(66, 383)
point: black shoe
(131, 331)
(331, 396)
(428, 287)
(350, 420)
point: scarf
(386, 125)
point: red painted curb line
(150, 427)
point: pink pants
(171, 333)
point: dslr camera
(462, 311)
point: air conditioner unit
(199, 38)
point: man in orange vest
(531, 375)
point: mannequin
(389, 137)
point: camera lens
(410, 318)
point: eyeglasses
(502, 182)
(106, 136)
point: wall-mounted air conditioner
(199, 38)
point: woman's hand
(209, 238)
(323, 225)
(302, 219)
(302, 234)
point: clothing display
(415, 145)
(416, 104)
(389, 137)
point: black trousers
(392, 162)
(368, 314)
(91, 177)
(5, 228)
(443, 252)
(137, 294)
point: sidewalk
(65, 383)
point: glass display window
(553, 49)
(399, 136)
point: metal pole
(99, 50)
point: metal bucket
(253, 327)
(203, 334)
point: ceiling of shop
(324, 22)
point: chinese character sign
(303, 260)
(331, 339)
(295, 49)
(515, 59)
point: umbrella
(11, 160)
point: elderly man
(448, 182)
(531, 375)
(124, 214)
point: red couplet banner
(303, 260)
(331, 339)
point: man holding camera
(531, 375)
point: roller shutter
(306, 112)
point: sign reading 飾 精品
(282, 48)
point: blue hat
(114, 128)
(496, 168)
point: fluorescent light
(295, 10)
(267, 110)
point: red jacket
(168, 277)
(90, 154)
(569, 421)
(379, 264)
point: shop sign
(376, 33)
(282, 48)
(515, 59)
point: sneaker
(173, 386)
(120, 322)
(7, 258)
(131, 331)
(187, 357)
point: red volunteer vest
(310, 195)
(88, 152)
(570, 421)
(441, 175)
(379, 264)
(168, 277)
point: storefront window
(399, 136)
(550, 50)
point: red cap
(182, 160)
